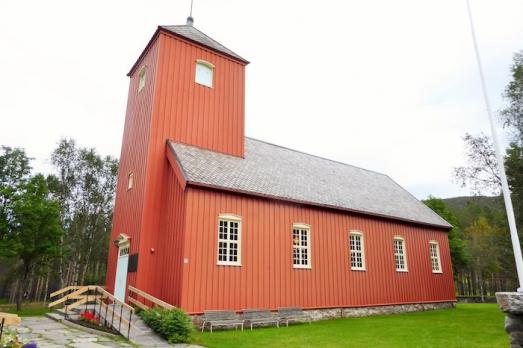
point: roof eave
(313, 204)
(144, 52)
(166, 31)
(236, 58)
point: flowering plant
(10, 340)
(90, 318)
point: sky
(390, 86)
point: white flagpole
(501, 164)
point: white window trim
(143, 70)
(362, 239)
(436, 243)
(230, 218)
(308, 228)
(406, 269)
(210, 66)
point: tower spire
(190, 19)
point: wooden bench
(293, 314)
(221, 318)
(8, 319)
(260, 316)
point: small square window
(204, 73)
(141, 76)
(130, 180)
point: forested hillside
(485, 261)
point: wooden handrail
(110, 296)
(149, 297)
(81, 299)
(108, 308)
(137, 303)
(62, 290)
(80, 291)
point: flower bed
(92, 321)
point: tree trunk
(22, 287)
(46, 288)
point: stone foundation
(512, 304)
(354, 312)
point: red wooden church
(206, 218)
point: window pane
(204, 74)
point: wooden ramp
(71, 301)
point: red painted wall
(266, 278)
(171, 241)
(128, 209)
(168, 222)
(171, 106)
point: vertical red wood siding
(169, 223)
(267, 279)
(171, 106)
(190, 113)
(211, 118)
(171, 242)
(128, 209)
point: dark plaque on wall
(133, 263)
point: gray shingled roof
(193, 34)
(276, 171)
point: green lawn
(469, 325)
(28, 309)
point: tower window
(204, 73)
(130, 180)
(141, 76)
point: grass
(468, 325)
(31, 309)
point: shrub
(173, 324)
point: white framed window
(130, 180)
(400, 254)
(357, 251)
(301, 246)
(229, 240)
(435, 257)
(141, 76)
(204, 73)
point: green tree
(457, 245)
(14, 172)
(482, 240)
(512, 114)
(85, 187)
(34, 230)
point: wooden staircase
(113, 313)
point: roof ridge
(321, 157)
(223, 49)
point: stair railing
(102, 304)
